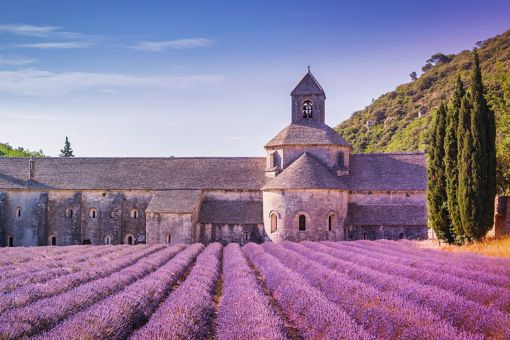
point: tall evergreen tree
(67, 151)
(483, 131)
(451, 147)
(436, 180)
(466, 192)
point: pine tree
(67, 151)
(451, 147)
(466, 192)
(436, 180)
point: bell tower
(308, 101)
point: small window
(274, 222)
(18, 212)
(364, 235)
(271, 160)
(169, 238)
(134, 213)
(113, 214)
(69, 213)
(10, 241)
(307, 109)
(129, 239)
(107, 240)
(87, 242)
(330, 222)
(246, 237)
(53, 240)
(93, 213)
(340, 160)
(401, 236)
(302, 222)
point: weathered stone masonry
(308, 187)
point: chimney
(31, 169)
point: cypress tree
(466, 192)
(483, 132)
(436, 180)
(67, 151)
(451, 147)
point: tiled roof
(387, 171)
(392, 214)
(307, 133)
(134, 173)
(174, 201)
(308, 85)
(306, 172)
(231, 212)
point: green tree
(483, 129)
(466, 192)
(67, 151)
(451, 147)
(436, 180)
(414, 76)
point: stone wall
(392, 232)
(26, 218)
(227, 233)
(315, 204)
(387, 197)
(502, 216)
(178, 226)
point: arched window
(113, 214)
(134, 213)
(274, 222)
(93, 213)
(302, 222)
(53, 240)
(307, 109)
(107, 240)
(69, 212)
(169, 238)
(18, 212)
(10, 241)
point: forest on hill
(399, 120)
(8, 151)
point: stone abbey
(310, 186)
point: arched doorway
(129, 239)
(53, 240)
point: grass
(499, 247)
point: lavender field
(313, 290)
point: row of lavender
(312, 290)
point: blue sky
(208, 78)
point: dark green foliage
(406, 132)
(466, 194)
(67, 151)
(484, 167)
(8, 151)
(436, 180)
(413, 76)
(439, 58)
(451, 147)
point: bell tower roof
(308, 86)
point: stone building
(309, 186)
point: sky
(208, 78)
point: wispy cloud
(57, 45)
(16, 61)
(166, 45)
(39, 31)
(44, 83)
